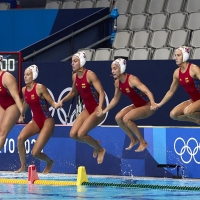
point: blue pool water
(17, 191)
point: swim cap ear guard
(34, 70)
(121, 63)
(186, 52)
(82, 57)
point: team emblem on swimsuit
(32, 96)
(83, 85)
(127, 90)
(186, 80)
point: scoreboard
(12, 62)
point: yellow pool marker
(82, 176)
(34, 179)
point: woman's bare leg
(77, 124)
(135, 114)
(91, 122)
(43, 137)
(95, 153)
(8, 119)
(122, 125)
(28, 131)
(180, 112)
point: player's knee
(173, 115)
(3, 132)
(187, 112)
(72, 135)
(20, 140)
(35, 153)
(126, 120)
(118, 118)
(81, 135)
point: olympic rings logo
(186, 149)
(60, 111)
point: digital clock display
(11, 63)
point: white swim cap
(121, 63)
(34, 70)
(185, 51)
(82, 57)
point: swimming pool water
(17, 191)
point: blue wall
(166, 146)
(22, 28)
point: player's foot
(20, 170)
(142, 147)
(101, 156)
(48, 167)
(95, 151)
(132, 144)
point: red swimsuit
(137, 97)
(39, 106)
(6, 99)
(190, 85)
(85, 91)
